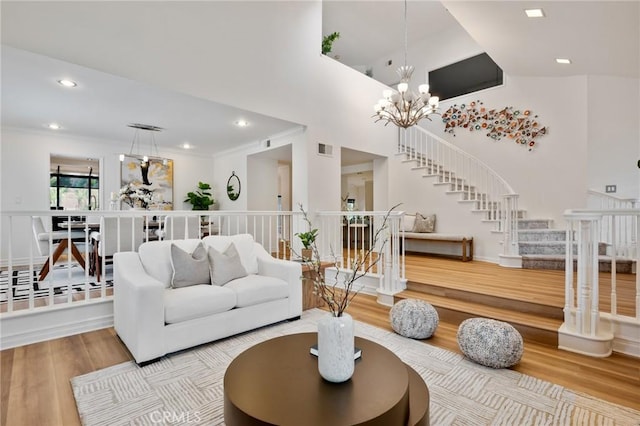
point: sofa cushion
(196, 301)
(255, 289)
(189, 268)
(424, 223)
(225, 266)
(156, 257)
(244, 244)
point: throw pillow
(225, 266)
(189, 268)
(408, 222)
(425, 223)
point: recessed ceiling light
(242, 123)
(54, 126)
(186, 145)
(563, 61)
(534, 13)
(67, 83)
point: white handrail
(474, 179)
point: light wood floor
(35, 387)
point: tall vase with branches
(335, 331)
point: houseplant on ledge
(335, 331)
(307, 239)
(201, 198)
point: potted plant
(327, 42)
(201, 198)
(307, 239)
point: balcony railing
(25, 286)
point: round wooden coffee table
(277, 382)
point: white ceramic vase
(335, 348)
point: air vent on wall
(324, 149)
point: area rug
(60, 278)
(187, 387)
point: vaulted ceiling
(600, 37)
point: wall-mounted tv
(466, 76)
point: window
(466, 76)
(74, 184)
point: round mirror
(233, 187)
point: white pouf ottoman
(414, 318)
(491, 343)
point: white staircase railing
(468, 175)
(589, 328)
(618, 232)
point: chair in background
(115, 235)
(179, 228)
(59, 243)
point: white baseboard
(508, 261)
(38, 325)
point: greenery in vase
(201, 198)
(339, 295)
(307, 238)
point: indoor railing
(619, 229)
(32, 239)
(467, 175)
(602, 293)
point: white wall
(613, 134)
(26, 164)
(277, 70)
(262, 184)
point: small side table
(311, 300)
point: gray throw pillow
(189, 268)
(424, 223)
(225, 266)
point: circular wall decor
(233, 187)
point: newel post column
(581, 331)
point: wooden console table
(311, 300)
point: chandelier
(136, 145)
(403, 107)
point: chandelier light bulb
(405, 108)
(145, 159)
(121, 156)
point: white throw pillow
(225, 266)
(408, 222)
(189, 268)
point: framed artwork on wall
(148, 185)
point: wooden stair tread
(480, 310)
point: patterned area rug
(186, 387)
(59, 280)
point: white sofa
(152, 318)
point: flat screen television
(466, 76)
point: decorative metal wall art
(521, 126)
